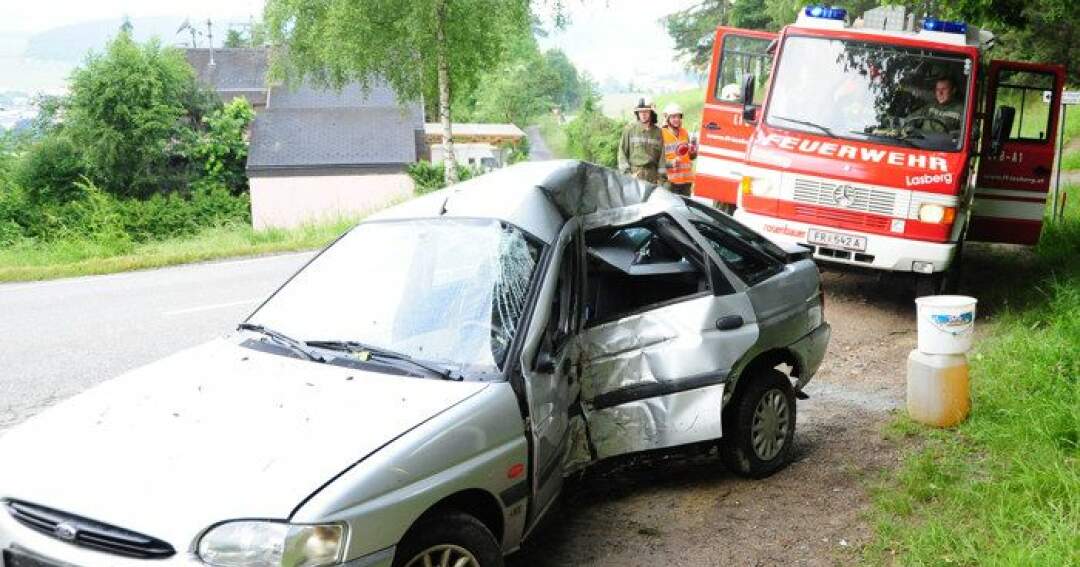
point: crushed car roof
(535, 196)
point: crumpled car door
(654, 377)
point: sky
(32, 16)
(620, 40)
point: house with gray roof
(317, 154)
(233, 72)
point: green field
(30, 260)
(1004, 487)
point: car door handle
(1042, 170)
(712, 126)
(729, 322)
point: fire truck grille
(847, 197)
(843, 219)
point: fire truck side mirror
(1000, 129)
(749, 111)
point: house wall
(476, 152)
(287, 201)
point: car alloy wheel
(444, 556)
(770, 426)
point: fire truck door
(737, 54)
(1011, 187)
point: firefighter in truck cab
(679, 151)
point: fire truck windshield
(871, 92)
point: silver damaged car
(417, 393)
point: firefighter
(945, 112)
(641, 149)
(678, 151)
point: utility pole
(210, 37)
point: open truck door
(1014, 173)
(738, 54)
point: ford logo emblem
(66, 531)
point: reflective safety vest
(677, 153)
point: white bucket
(946, 323)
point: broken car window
(634, 268)
(448, 291)
(751, 266)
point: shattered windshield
(448, 291)
(871, 92)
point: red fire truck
(877, 144)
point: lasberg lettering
(844, 151)
(913, 180)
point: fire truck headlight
(757, 186)
(936, 213)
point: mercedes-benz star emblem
(842, 195)
(66, 531)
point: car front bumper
(46, 551)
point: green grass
(554, 135)
(1070, 160)
(1004, 487)
(30, 260)
(692, 102)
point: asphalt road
(60, 337)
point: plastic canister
(938, 391)
(946, 323)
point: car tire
(759, 425)
(460, 534)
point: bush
(221, 151)
(50, 169)
(430, 177)
(94, 215)
(593, 137)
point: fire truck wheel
(929, 284)
(759, 425)
(951, 277)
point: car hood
(213, 433)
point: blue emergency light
(826, 13)
(935, 25)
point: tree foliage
(1036, 30)
(593, 137)
(422, 48)
(222, 149)
(527, 86)
(128, 111)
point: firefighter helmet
(645, 104)
(672, 109)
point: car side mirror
(749, 111)
(1001, 128)
(545, 363)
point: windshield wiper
(905, 140)
(823, 129)
(282, 339)
(359, 347)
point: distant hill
(70, 44)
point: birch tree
(421, 48)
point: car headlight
(251, 543)
(936, 213)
